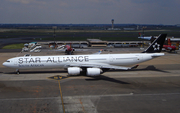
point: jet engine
(74, 70)
(93, 71)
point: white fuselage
(28, 62)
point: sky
(90, 12)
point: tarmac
(154, 87)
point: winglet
(157, 44)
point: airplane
(92, 65)
(152, 38)
(175, 39)
(68, 49)
(169, 46)
(146, 37)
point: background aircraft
(67, 48)
(146, 37)
(169, 46)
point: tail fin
(156, 45)
(99, 52)
(70, 45)
(169, 42)
(140, 35)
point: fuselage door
(15, 62)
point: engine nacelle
(93, 71)
(74, 70)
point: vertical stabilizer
(156, 45)
(169, 42)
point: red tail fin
(70, 45)
(169, 41)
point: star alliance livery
(92, 65)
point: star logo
(156, 46)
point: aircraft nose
(4, 64)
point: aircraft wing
(107, 66)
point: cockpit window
(7, 61)
(26, 55)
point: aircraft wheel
(17, 71)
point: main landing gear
(17, 71)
